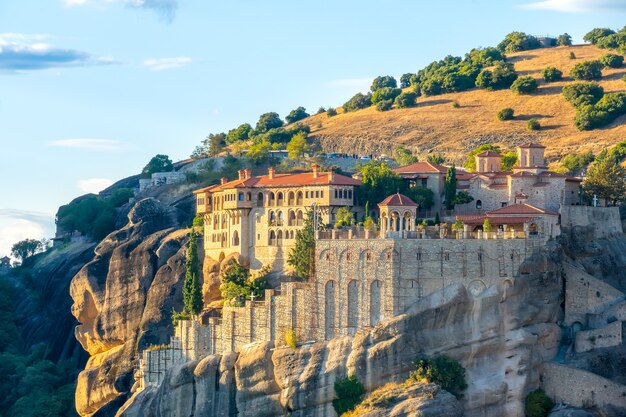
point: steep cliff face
(123, 300)
(500, 337)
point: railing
(428, 233)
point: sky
(90, 90)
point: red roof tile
(489, 154)
(421, 167)
(532, 145)
(398, 200)
(524, 209)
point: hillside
(435, 126)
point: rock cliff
(501, 338)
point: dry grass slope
(435, 126)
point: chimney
(315, 170)
(223, 180)
(271, 171)
(331, 175)
(247, 173)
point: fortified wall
(360, 280)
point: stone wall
(609, 335)
(580, 388)
(605, 221)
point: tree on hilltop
(297, 115)
(298, 146)
(587, 70)
(26, 248)
(382, 82)
(606, 178)
(596, 34)
(564, 40)
(268, 121)
(158, 163)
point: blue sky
(91, 89)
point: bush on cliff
(349, 392)
(443, 371)
(538, 404)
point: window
(479, 204)
(240, 196)
(446, 256)
(322, 194)
(480, 256)
(317, 194)
(368, 256)
(349, 193)
(336, 194)
(504, 204)
(258, 236)
(424, 182)
(201, 201)
(419, 256)
(348, 256)
(306, 194)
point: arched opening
(375, 307)
(272, 218)
(299, 219)
(533, 229)
(406, 221)
(279, 238)
(280, 218)
(299, 198)
(479, 205)
(248, 196)
(235, 238)
(240, 196)
(291, 219)
(290, 198)
(395, 221)
(271, 199)
(353, 306)
(259, 199)
(279, 199)
(272, 238)
(329, 310)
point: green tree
(268, 121)
(348, 393)
(581, 94)
(158, 163)
(505, 114)
(406, 100)
(239, 285)
(384, 105)
(524, 85)
(575, 163)
(463, 197)
(302, 256)
(501, 77)
(298, 147)
(241, 133)
(612, 60)
(587, 70)
(470, 164)
(297, 115)
(441, 370)
(436, 159)
(552, 74)
(533, 124)
(596, 34)
(509, 160)
(405, 80)
(564, 40)
(385, 81)
(404, 156)
(518, 41)
(26, 248)
(384, 94)
(357, 102)
(431, 87)
(484, 57)
(606, 178)
(331, 111)
(259, 152)
(449, 189)
(423, 196)
(378, 182)
(538, 404)
(192, 290)
(320, 110)
(344, 217)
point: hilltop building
(258, 216)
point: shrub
(385, 81)
(533, 124)
(268, 121)
(524, 85)
(405, 100)
(456, 105)
(587, 70)
(552, 74)
(538, 404)
(596, 34)
(291, 339)
(606, 110)
(564, 40)
(431, 87)
(580, 94)
(331, 112)
(506, 114)
(384, 94)
(518, 41)
(612, 60)
(501, 77)
(384, 105)
(572, 55)
(321, 110)
(349, 392)
(441, 370)
(358, 101)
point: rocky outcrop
(123, 299)
(501, 339)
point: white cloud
(160, 64)
(577, 6)
(16, 225)
(94, 185)
(353, 83)
(90, 144)
(166, 8)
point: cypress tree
(450, 187)
(192, 293)
(302, 256)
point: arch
(280, 198)
(279, 218)
(235, 238)
(375, 302)
(271, 199)
(291, 235)
(325, 254)
(279, 238)
(329, 310)
(248, 196)
(353, 305)
(533, 229)
(395, 221)
(290, 198)
(291, 218)
(406, 221)
(272, 238)
(240, 196)
(299, 219)
(259, 199)
(272, 218)
(299, 198)
(479, 204)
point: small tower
(488, 161)
(397, 213)
(531, 155)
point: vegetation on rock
(538, 404)
(239, 285)
(192, 289)
(443, 371)
(158, 163)
(348, 392)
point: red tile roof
(398, 200)
(523, 209)
(284, 180)
(532, 145)
(421, 167)
(494, 220)
(489, 154)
